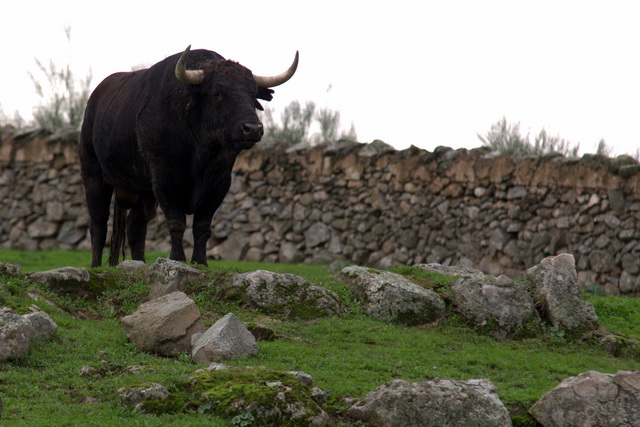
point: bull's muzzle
(252, 131)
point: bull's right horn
(192, 77)
(272, 81)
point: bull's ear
(259, 106)
(265, 93)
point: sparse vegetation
(296, 122)
(16, 121)
(348, 356)
(504, 137)
(62, 101)
(63, 96)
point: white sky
(426, 73)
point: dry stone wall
(367, 204)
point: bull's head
(231, 96)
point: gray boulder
(284, 294)
(131, 266)
(164, 325)
(165, 276)
(438, 403)
(227, 339)
(592, 399)
(391, 297)
(44, 327)
(16, 334)
(496, 306)
(554, 287)
(65, 279)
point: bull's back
(108, 136)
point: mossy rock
(621, 345)
(9, 270)
(151, 398)
(284, 295)
(271, 397)
(79, 282)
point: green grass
(621, 314)
(347, 356)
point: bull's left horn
(272, 81)
(192, 77)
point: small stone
(87, 370)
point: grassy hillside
(348, 356)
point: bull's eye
(216, 92)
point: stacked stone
(380, 207)
(367, 204)
(41, 192)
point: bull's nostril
(252, 129)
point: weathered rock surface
(64, 279)
(554, 288)
(43, 325)
(496, 306)
(227, 339)
(284, 294)
(621, 345)
(7, 269)
(438, 403)
(164, 325)
(140, 396)
(272, 397)
(592, 399)
(391, 297)
(450, 270)
(131, 266)
(165, 276)
(16, 334)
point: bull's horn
(272, 81)
(192, 77)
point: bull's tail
(118, 234)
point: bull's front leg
(176, 222)
(201, 235)
(203, 216)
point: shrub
(17, 121)
(62, 101)
(506, 138)
(296, 122)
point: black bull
(167, 135)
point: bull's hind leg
(98, 202)
(139, 216)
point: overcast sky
(425, 73)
